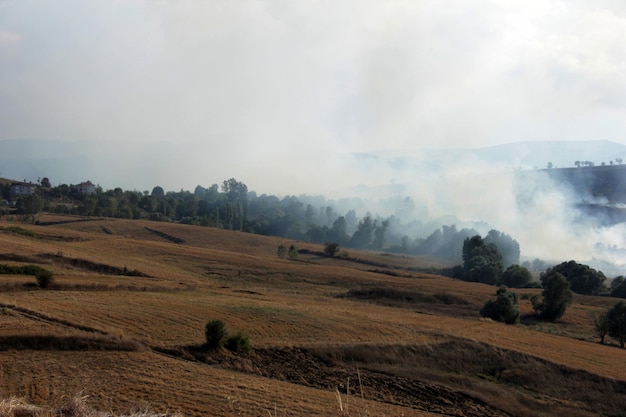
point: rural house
(85, 187)
(22, 188)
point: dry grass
(237, 278)
(75, 407)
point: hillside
(124, 324)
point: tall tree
(617, 323)
(362, 238)
(482, 262)
(508, 247)
(158, 191)
(556, 294)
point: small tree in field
(601, 325)
(556, 296)
(293, 252)
(44, 278)
(282, 251)
(239, 343)
(617, 323)
(331, 248)
(215, 333)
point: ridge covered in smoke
(546, 213)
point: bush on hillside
(44, 278)
(331, 248)
(215, 333)
(217, 337)
(505, 308)
(515, 276)
(293, 252)
(239, 343)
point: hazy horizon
(273, 91)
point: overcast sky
(270, 90)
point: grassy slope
(237, 277)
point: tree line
(233, 206)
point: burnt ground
(300, 366)
(453, 378)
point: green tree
(338, 232)
(618, 287)
(30, 205)
(505, 308)
(316, 234)
(556, 296)
(158, 191)
(235, 190)
(237, 203)
(515, 276)
(44, 278)
(601, 325)
(293, 252)
(507, 246)
(362, 238)
(282, 251)
(582, 278)
(617, 323)
(215, 333)
(379, 234)
(482, 261)
(331, 248)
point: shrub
(504, 309)
(282, 251)
(515, 276)
(239, 343)
(215, 333)
(44, 278)
(293, 252)
(331, 248)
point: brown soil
(300, 366)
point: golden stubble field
(193, 274)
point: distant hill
(142, 165)
(524, 155)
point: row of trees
(555, 298)
(232, 206)
(483, 261)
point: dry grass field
(123, 325)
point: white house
(22, 188)
(85, 187)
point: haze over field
(319, 97)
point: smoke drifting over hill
(554, 217)
(479, 189)
(300, 97)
